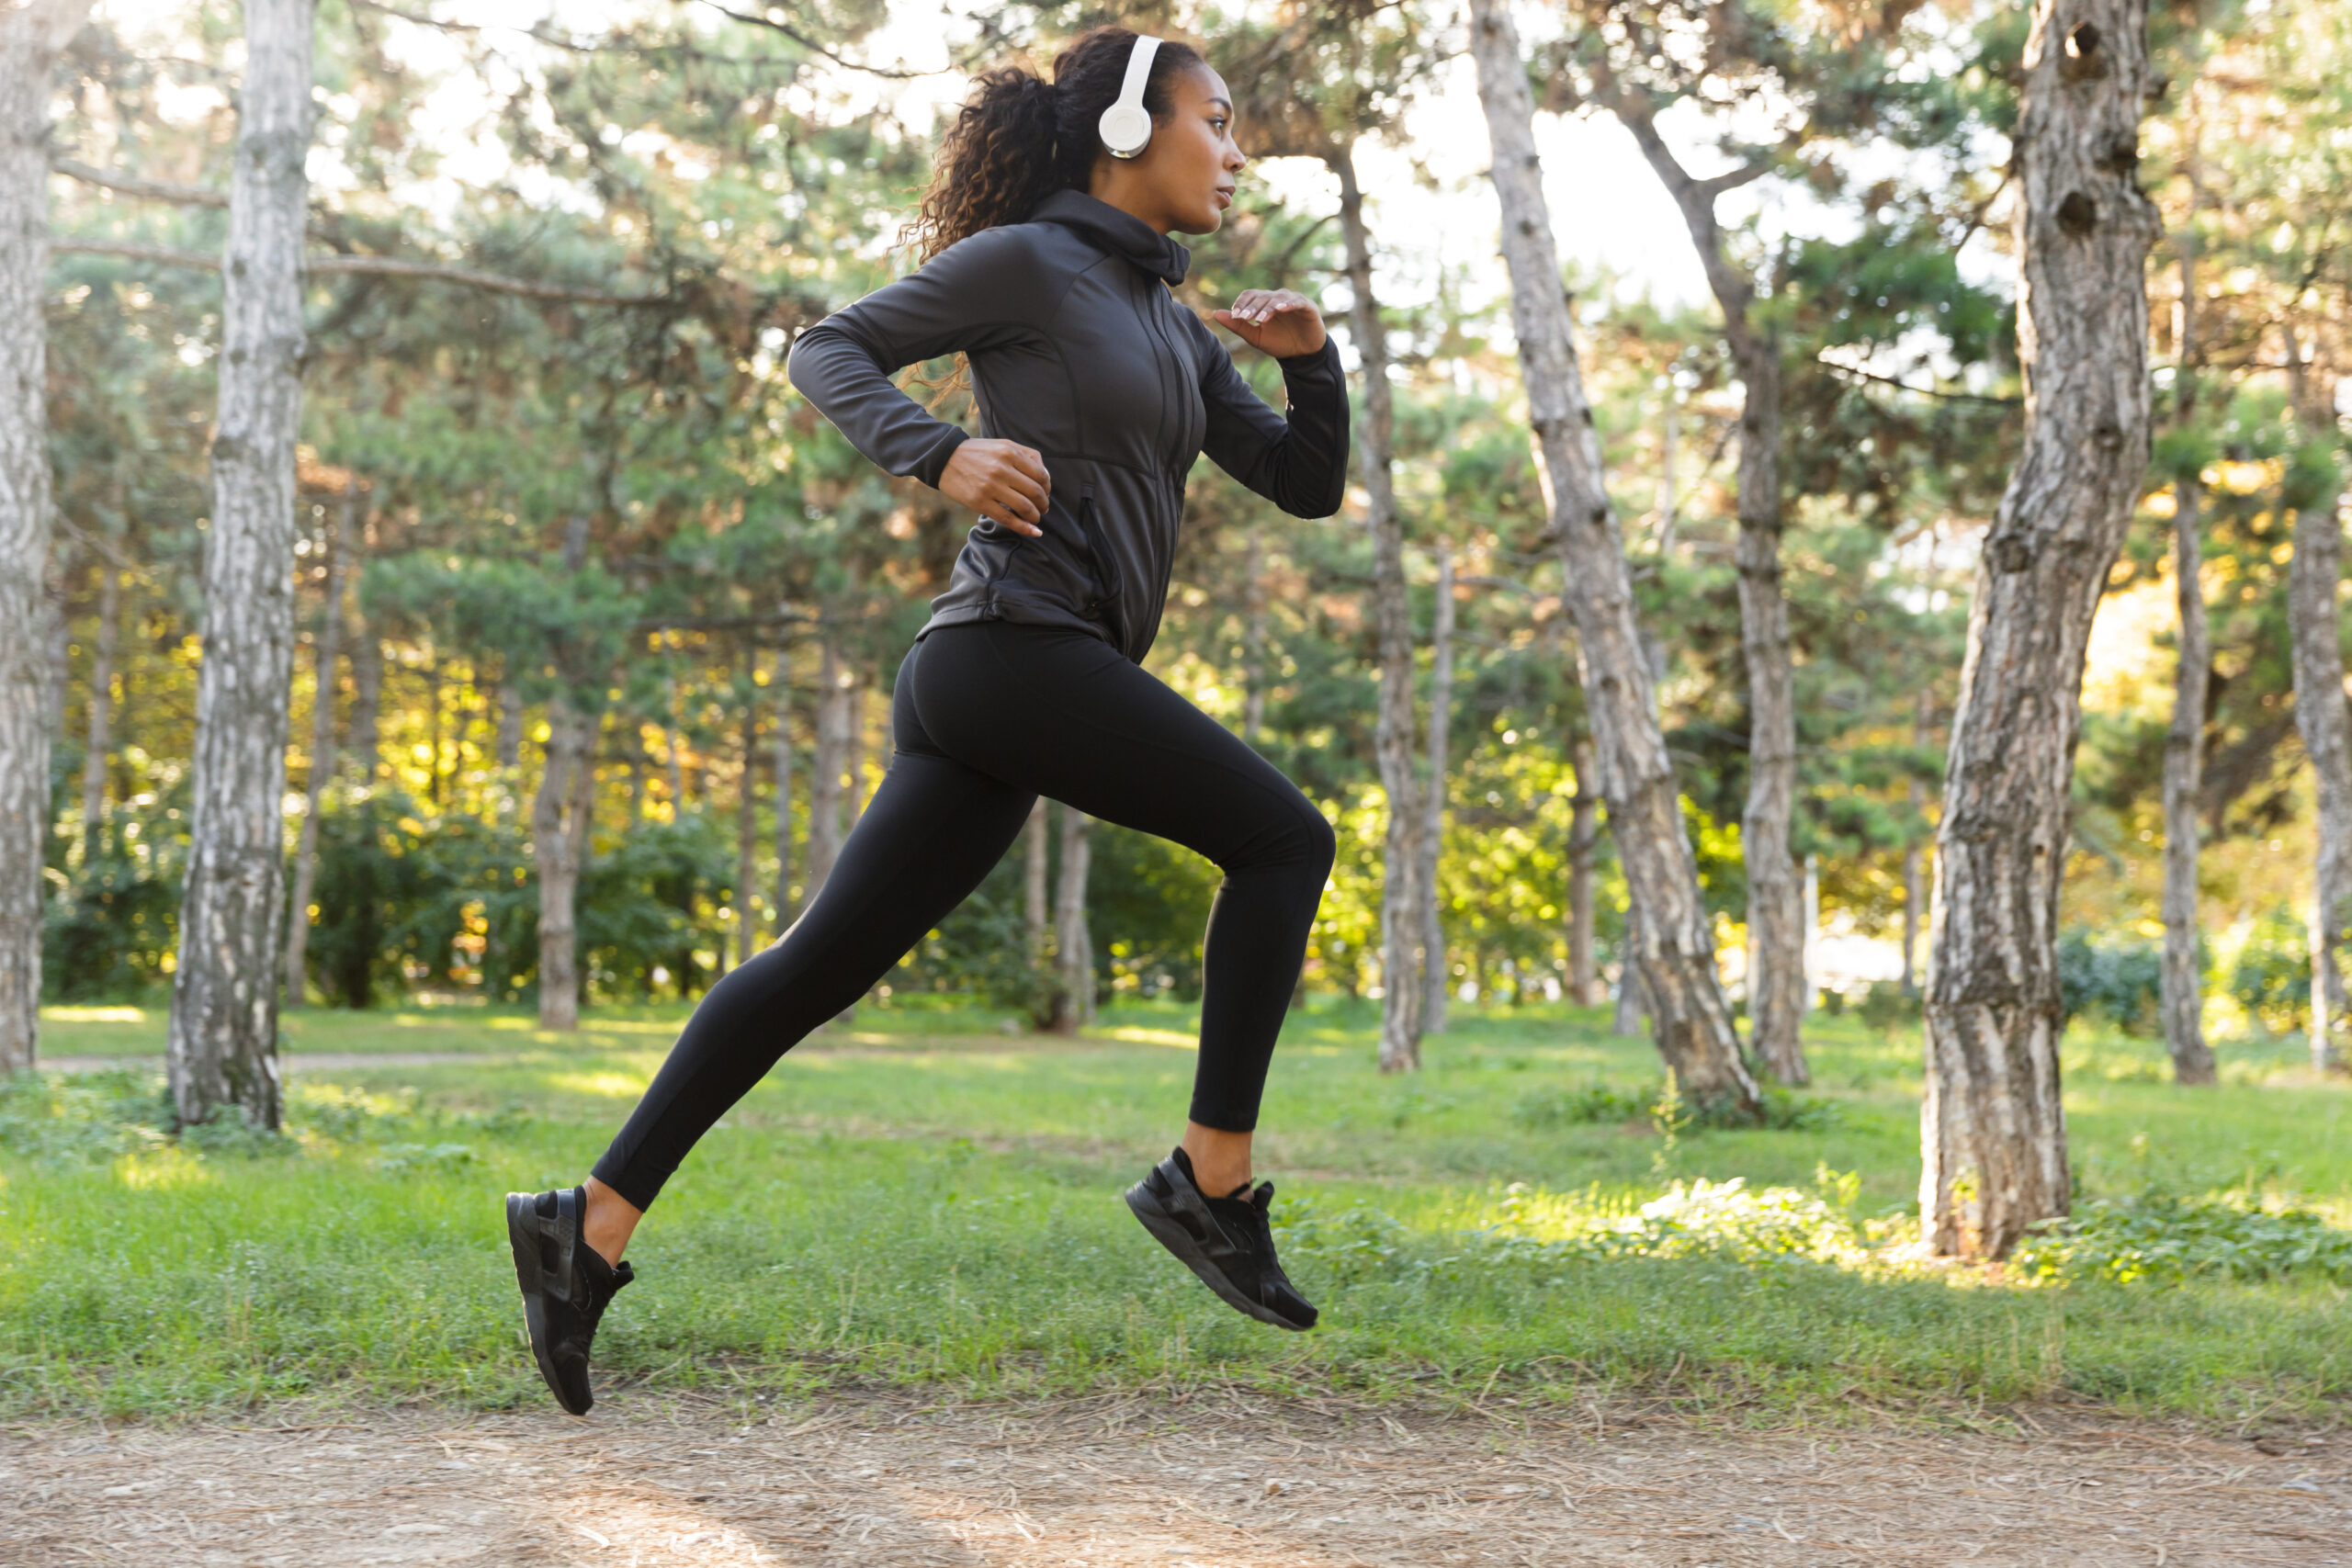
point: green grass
(925, 1199)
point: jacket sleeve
(1299, 463)
(966, 298)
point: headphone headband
(1126, 127)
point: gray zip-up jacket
(1076, 349)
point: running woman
(1047, 264)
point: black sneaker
(1225, 1241)
(566, 1284)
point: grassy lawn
(924, 1198)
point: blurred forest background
(586, 599)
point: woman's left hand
(1280, 321)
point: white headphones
(1126, 126)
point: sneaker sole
(1171, 1234)
(523, 1236)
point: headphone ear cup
(1125, 129)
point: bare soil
(655, 1483)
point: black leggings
(986, 716)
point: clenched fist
(1002, 479)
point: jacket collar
(1121, 233)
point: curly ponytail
(1018, 138)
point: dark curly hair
(1019, 138)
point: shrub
(2272, 977)
(2164, 1237)
(2121, 981)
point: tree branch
(382, 266)
(1917, 391)
(133, 185)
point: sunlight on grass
(162, 1169)
(1138, 1036)
(932, 1203)
(93, 1015)
(611, 1083)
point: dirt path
(688, 1485)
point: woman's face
(1184, 180)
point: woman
(1047, 266)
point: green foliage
(85, 1119)
(647, 901)
(2121, 981)
(2272, 977)
(2163, 1237)
(104, 931)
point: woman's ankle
(1220, 1160)
(610, 1221)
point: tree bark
(1671, 939)
(32, 37)
(1074, 948)
(1584, 841)
(1440, 973)
(1914, 878)
(825, 830)
(2321, 715)
(98, 732)
(1036, 906)
(363, 737)
(1993, 1128)
(323, 753)
(747, 828)
(1633, 996)
(2183, 987)
(1776, 941)
(509, 741)
(1404, 915)
(557, 839)
(221, 1047)
(781, 759)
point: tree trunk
(509, 743)
(1404, 914)
(2183, 974)
(1993, 1129)
(1915, 875)
(98, 741)
(221, 1048)
(1672, 939)
(1633, 996)
(1777, 998)
(747, 828)
(1073, 946)
(1035, 909)
(1440, 973)
(433, 706)
(363, 737)
(323, 757)
(555, 846)
(1584, 843)
(853, 759)
(825, 779)
(30, 39)
(781, 760)
(2320, 714)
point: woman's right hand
(1002, 479)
